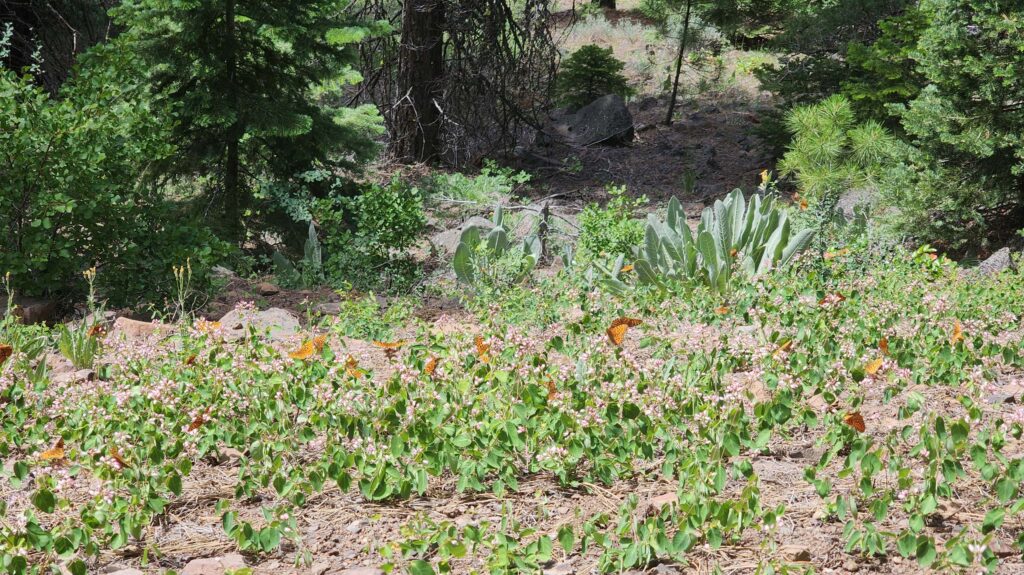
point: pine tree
(588, 74)
(249, 80)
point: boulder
(279, 322)
(34, 310)
(997, 262)
(131, 329)
(606, 120)
(447, 240)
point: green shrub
(491, 182)
(492, 261)
(613, 229)
(365, 237)
(75, 190)
(734, 237)
(831, 153)
(588, 74)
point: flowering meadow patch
(853, 407)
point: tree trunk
(679, 63)
(420, 70)
(232, 191)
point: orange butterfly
(191, 360)
(304, 352)
(6, 352)
(832, 298)
(836, 254)
(197, 422)
(958, 333)
(626, 269)
(722, 310)
(482, 348)
(873, 367)
(784, 348)
(733, 252)
(55, 453)
(431, 365)
(390, 347)
(319, 342)
(856, 421)
(352, 368)
(114, 453)
(552, 390)
(203, 326)
(617, 330)
(883, 345)
(96, 330)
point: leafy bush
(968, 120)
(492, 261)
(830, 152)
(365, 236)
(75, 190)
(732, 236)
(588, 74)
(613, 229)
(492, 181)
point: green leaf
(44, 500)
(420, 567)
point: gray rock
(128, 571)
(851, 199)
(447, 240)
(997, 262)
(279, 322)
(221, 272)
(563, 568)
(329, 308)
(606, 120)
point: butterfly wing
(873, 367)
(319, 342)
(304, 352)
(6, 352)
(856, 421)
(617, 333)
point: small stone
(851, 566)
(131, 329)
(228, 456)
(817, 403)
(362, 571)
(267, 289)
(1000, 549)
(320, 568)
(356, 526)
(563, 568)
(128, 571)
(797, 553)
(329, 308)
(214, 565)
(221, 272)
(654, 505)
